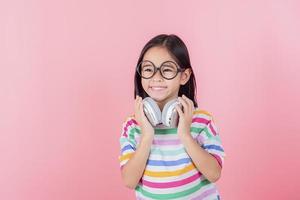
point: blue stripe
(127, 147)
(168, 163)
(213, 147)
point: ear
(185, 76)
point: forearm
(203, 160)
(134, 168)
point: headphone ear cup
(152, 111)
(170, 115)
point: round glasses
(168, 69)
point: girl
(162, 162)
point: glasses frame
(159, 69)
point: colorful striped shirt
(170, 172)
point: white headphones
(168, 117)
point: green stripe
(207, 133)
(216, 138)
(160, 131)
(174, 130)
(125, 140)
(195, 129)
(172, 195)
(132, 132)
(167, 131)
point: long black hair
(178, 50)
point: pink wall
(66, 85)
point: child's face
(158, 88)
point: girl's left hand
(185, 116)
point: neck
(161, 105)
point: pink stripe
(205, 194)
(212, 129)
(200, 120)
(172, 184)
(129, 123)
(200, 139)
(218, 159)
(167, 142)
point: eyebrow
(162, 62)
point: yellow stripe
(202, 112)
(170, 173)
(126, 156)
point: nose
(157, 76)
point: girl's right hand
(146, 127)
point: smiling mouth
(157, 88)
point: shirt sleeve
(127, 141)
(210, 141)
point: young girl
(161, 162)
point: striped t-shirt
(170, 172)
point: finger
(179, 110)
(136, 102)
(138, 109)
(141, 106)
(139, 102)
(187, 100)
(136, 99)
(184, 104)
(190, 102)
(138, 105)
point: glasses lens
(146, 69)
(169, 70)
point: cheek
(145, 84)
(175, 83)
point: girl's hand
(140, 117)
(185, 117)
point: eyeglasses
(168, 69)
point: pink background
(66, 85)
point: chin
(158, 99)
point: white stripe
(123, 162)
(125, 143)
(166, 168)
(204, 189)
(167, 157)
(198, 125)
(168, 147)
(128, 151)
(166, 136)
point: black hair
(178, 50)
